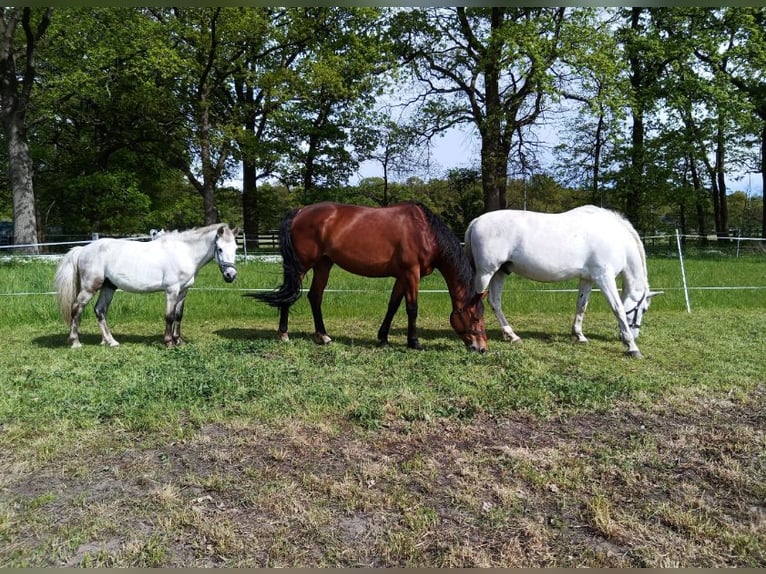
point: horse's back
(130, 265)
(371, 241)
(551, 246)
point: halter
(469, 330)
(222, 265)
(634, 324)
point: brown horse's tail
(67, 283)
(290, 290)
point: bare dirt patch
(679, 484)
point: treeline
(120, 119)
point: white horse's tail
(467, 245)
(67, 283)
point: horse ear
(653, 293)
(221, 230)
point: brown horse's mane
(452, 251)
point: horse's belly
(371, 268)
(546, 272)
(137, 279)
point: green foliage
(129, 101)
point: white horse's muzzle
(229, 271)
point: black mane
(448, 242)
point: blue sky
(461, 149)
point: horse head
(225, 252)
(468, 322)
(636, 313)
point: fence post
(683, 271)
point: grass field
(239, 450)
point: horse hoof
(322, 339)
(76, 345)
(415, 344)
(634, 354)
(383, 344)
(283, 336)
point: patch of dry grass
(668, 486)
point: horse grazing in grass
(406, 241)
(589, 243)
(168, 263)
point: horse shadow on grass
(496, 335)
(429, 338)
(94, 340)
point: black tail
(290, 290)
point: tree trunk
(21, 172)
(699, 195)
(493, 174)
(207, 187)
(763, 173)
(598, 197)
(16, 84)
(250, 199)
(635, 180)
(723, 211)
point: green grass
(234, 366)
(349, 431)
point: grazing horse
(168, 263)
(406, 241)
(589, 243)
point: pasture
(240, 450)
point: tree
(203, 38)
(740, 56)
(17, 76)
(395, 151)
(489, 67)
(302, 91)
(591, 77)
(106, 120)
(647, 56)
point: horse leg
(284, 312)
(284, 315)
(316, 292)
(179, 314)
(101, 309)
(82, 300)
(609, 288)
(397, 294)
(495, 301)
(171, 299)
(582, 305)
(411, 303)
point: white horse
(590, 243)
(168, 263)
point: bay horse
(589, 243)
(405, 241)
(168, 263)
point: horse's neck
(201, 243)
(634, 276)
(459, 289)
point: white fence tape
(276, 258)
